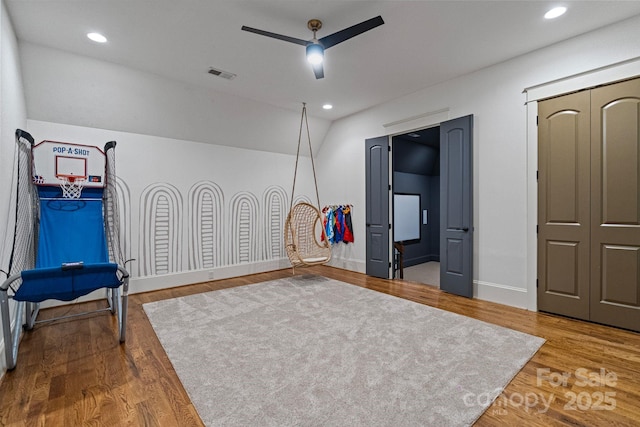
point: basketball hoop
(71, 187)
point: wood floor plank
(75, 372)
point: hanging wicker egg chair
(304, 235)
(305, 239)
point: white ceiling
(421, 44)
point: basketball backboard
(55, 161)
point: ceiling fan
(315, 47)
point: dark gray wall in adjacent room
(428, 187)
(416, 158)
(416, 170)
(433, 227)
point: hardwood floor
(74, 372)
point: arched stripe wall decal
(244, 245)
(303, 198)
(206, 203)
(275, 206)
(160, 230)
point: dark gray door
(377, 194)
(456, 206)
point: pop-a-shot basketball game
(66, 238)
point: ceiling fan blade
(318, 71)
(347, 33)
(276, 36)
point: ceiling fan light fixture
(315, 53)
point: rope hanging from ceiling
(304, 235)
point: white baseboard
(172, 280)
(349, 264)
(502, 294)
(154, 283)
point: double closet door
(589, 205)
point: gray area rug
(311, 351)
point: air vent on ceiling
(224, 74)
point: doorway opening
(416, 205)
(456, 206)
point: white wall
(12, 116)
(494, 95)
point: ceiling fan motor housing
(314, 25)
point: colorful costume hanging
(337, 223)
(348, 227)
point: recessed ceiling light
(414, 135)
(97, 37)
(327, 106)
(555, 12)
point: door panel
(456, 206)
(620, 266)
(562, 170)
(619, 162)
(564, 205)
(453, 150)
(561, 277)
(615, 201)
(454, 256)
(377, 195)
